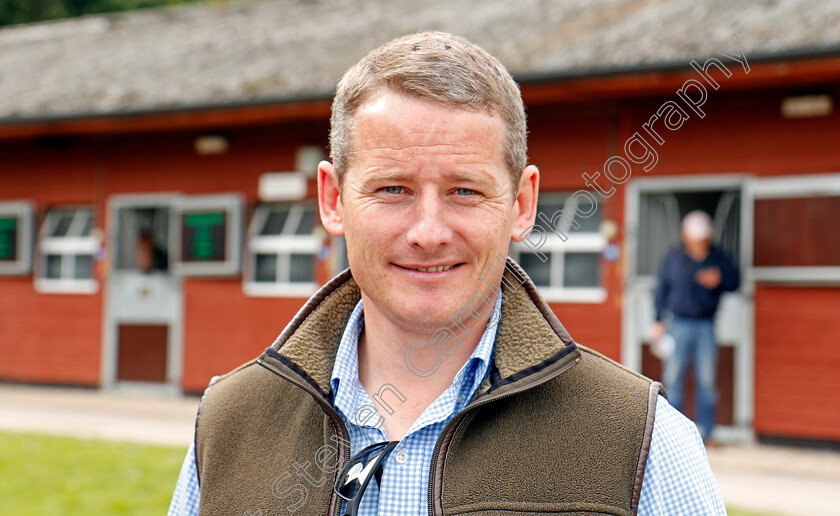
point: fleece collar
(530, 338)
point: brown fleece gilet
(555, 429)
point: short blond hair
(438, 67)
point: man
(433, 343)
(691, 280)
(148, 256)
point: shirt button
(460, 398)
(402, 457)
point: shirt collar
(348, 393)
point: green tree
(26, 11)
(22, 11)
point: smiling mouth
(440, 268)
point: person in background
(149, 256)
(691, 280)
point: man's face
(426, 203)
(695, 246)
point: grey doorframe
(631, 349)
(108, 366)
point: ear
(525, 204)
(329, 199)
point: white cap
(697, 225)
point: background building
(158, 222)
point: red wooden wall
(797, 360)
(48, 337)
(564, 143)
(57, 338)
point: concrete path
(121, 416)
(782, 481)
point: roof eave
(199, 117)
(804, 67)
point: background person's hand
(657, 331)
(708, 277)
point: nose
(429, 229)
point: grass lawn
(45, 475)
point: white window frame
(232, 206)
(68, 247)
(283, 246)
(555, 249)
(24, 212)
(810, 185)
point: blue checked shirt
(677, 481)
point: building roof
(247, 51)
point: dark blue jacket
(679, 293)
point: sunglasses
(355, 476)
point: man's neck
(382, 363)
(698, 255)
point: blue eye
(465, 191)
(395, 190)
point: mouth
(436, 268)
